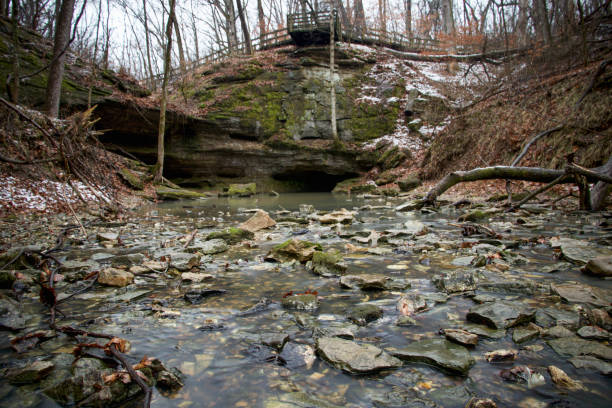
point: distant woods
(129, 36)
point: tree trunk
(3, 8)
(164, 97)
(56, 70)
(521, 25)
(359, 19)
(245, 27)
(332, 82)
(14, 85)
(542, 24)
(449, 20)
(382, 14)
(261, 18)
(408, 17)
(179, 43)
(148, 45)
(601, 190)
(230, 24)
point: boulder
(231, 235)
(575, 346)
(439, 353)
(462, 337)
(261, 220)
(115, 277)
(582, 293)
(364, 281)
(364, 314)
(342, 216)
(409, 183)
(242, 190)
(327, 264)
(300, 302)
(291, 249)
(412, 303)
(601, 267)
(354, 358)
(501, 314)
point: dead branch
(539, 191)
(133, 375)
(600, 70)
(532, 141)
(190, 238)
(489, 56)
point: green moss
(328, 263)
(242, 190)
(231, 235)
(166, 193)
(131, 179)
(345, 185)
(410, 182)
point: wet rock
(242, 190)
(555, 316)
(582, 293)
(231, 235)
(461, 337)
(575, 346)
(7, 278)
(439, 353)
(107, 236)
(260, 306)
(129, 295)
(327, 264)
(593, 363)
(501, 355)
(364, 314)
(302, 251)
(30, 373)
(406, 321)
(274, 340)
(354, 358)
(364, 282)
(126, 261)
(21, 257)
(601, 318)
(261, 220)
(601, 266)
(336, 329)
(481, 298)
(297, 400)
(557, 332)
(301, 302)
(478, 215)
(450, 396)
(593, 333)
(199, 295)
(298, 355)
(501, 314)
(481, 403)
(196, 277)
(562, 380)
(409, 183)
(183, 261)
(342, 216)
(414, 227)
(169, 380)
(455, 281)
(115, 277)
(523, 334)
(409, 206)
(412, 303)
(523, 374)
(306, 209)
(211, 247)
(579, 251)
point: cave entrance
(311, 181)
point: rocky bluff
(266, 118)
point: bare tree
(245, 27)
(164, 97)
(56, 70)
(359, 21)
(261, 18)
(408, 16)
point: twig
(73, 213)
(21, 252)
(532, 141)
(78, 292)
(190, 238)
(539, 191)
(135, 377)
(29, 119)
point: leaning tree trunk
(56, 70)
(601, 191)
(164, 97)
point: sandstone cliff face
(265, 119)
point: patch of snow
(44, 195)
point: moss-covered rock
(408, 183)
(291, 249)
(386, 177)
(327, 263)
(167, 193)
(345, 185)
(231, 235)
(301, 302)
(131, 178)
(242, 190)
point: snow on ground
(430, 80)
(43, 195)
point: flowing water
(228, 366)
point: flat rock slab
(297, 400)
(354, 358)
(579, 251)
(439, 353)
(575, 346)
(213, 246)
(582, 293)
(601, 266)
(365, 281)
(592, 363)
(501, 314)
(259, 221)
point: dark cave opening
(312, 181)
